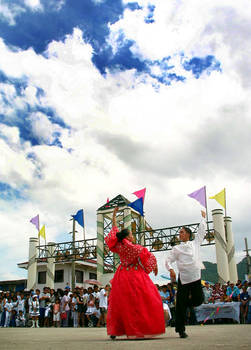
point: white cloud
(98, 1)
(123, 134)
(11, 134)
(42, 128)
(192, 28)
(34, 5)
(16, 170)
(8, 12)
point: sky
(106, 97)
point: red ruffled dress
(135, 307)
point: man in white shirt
(187, 258)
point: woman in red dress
(135, 307)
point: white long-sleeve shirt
(187, 257)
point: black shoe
(183, 335)
(112, 337)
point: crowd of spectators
(213, 293)
(88, 307)
(49, 308)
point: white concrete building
(84, 270)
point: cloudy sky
(105, 97)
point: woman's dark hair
(187, 229)
(122, 234)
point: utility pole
(73, 259)
(247, 256)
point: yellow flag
(42, 232)
(220, 198)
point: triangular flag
(35, 221)
(42, 232)
(79, 217)
(137, 205)
(220, 198)
(200, 196)
(140, 194)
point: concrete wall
(67, 275)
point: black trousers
(190, 294)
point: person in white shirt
(96, 292)
(103, 304)
(21, 304)
(20, 319)
(187, 258)
(35, 311)
(74, 309)
(8, 310)
(207, 293)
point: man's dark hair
(189, 231)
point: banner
(35, 221)
(200, 196)
(220, 198)
(79, 217)
(137, 205)
(42, 232)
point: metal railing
(156, 240)
(69, 251)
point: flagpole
(206, 208)
(225, 202)
(83, 225)
(39, 233)
(73, 261)
(84, 234)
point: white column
(50, 272)
(32, 265)
(233, 275)
(128, 218)
(142, 228)
(220, 245)
(100, 246)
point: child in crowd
(7, 309)
(14, 303)
(95, 316)
(21, 304)
(74, 309)
(35, 311)
(244, 298)
(20, 319)
(47, 314)
(90, 309)
(56, 313)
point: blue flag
(79, 217)
(137, 205)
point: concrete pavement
(207, 337)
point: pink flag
(140, 194)
(200, 196)
(35, 221)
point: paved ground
(200, 337)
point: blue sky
(105, 97)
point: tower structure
(126, 218)
(233, 275)
(221, 246)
